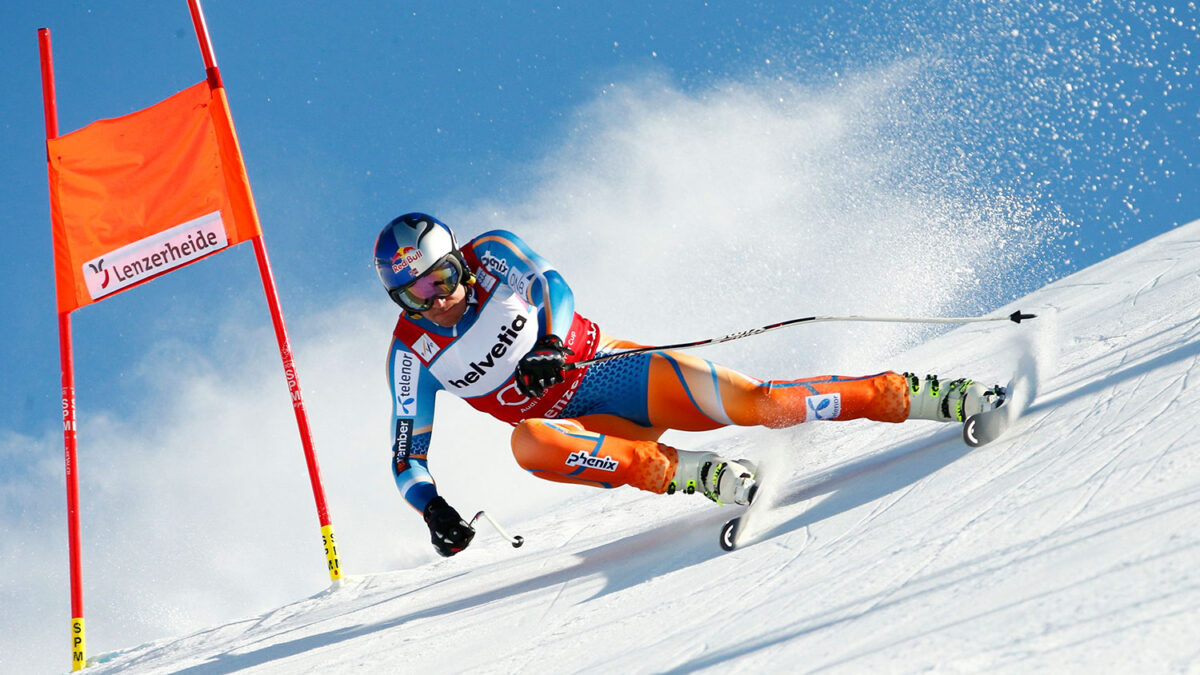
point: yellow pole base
(331, 556)
(78, 644)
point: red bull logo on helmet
(405, 257)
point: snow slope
(1070, 545)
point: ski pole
(515, 541)
(1015, 317)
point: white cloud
(751, 203)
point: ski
(729, 532)
(985, 427)
(732, 527)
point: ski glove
(449, 532)
(542, 367)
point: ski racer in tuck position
(493, 323)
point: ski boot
(952, 401)
(721, 480)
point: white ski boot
(952, 401)
(721, 480)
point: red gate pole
(285, 349)
(70, 437)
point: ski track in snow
(1068, 545)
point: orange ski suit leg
(691, 394)
(567, 451)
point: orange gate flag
(138, 196)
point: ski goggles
(439, 281)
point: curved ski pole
(515, 541)
(1016, 317)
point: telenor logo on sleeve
(407, 370)
(158, 253)
(824, 407)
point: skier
(493, 323)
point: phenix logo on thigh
(586, 461)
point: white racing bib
(483, 359)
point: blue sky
(750, 162)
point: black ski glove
(449, 532)
(542, 367)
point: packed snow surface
(1069, 545)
